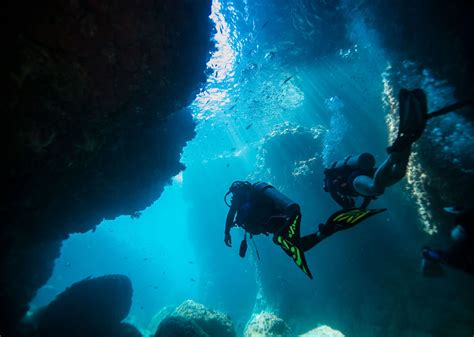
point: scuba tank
(362, 162)
(281, 201)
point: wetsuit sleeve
(229, 222)
(344, 202)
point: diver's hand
(228, 240)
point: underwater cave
(128, 121)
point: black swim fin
(413, 113)
(289, 240)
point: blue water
(267, 71)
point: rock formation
(266, 324)
(178, 326)
(91, 307)
(93, 101)
(323, 331)
(213, 323)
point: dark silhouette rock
(94, 120)
(87, 308)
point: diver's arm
(229, 223)
(341, 200)
(329, 187)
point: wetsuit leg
(392, 170)
(309, 241)
(324, 231)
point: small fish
(248, 126)
(269, 55)
(227, 165)
(289, 78)
(233, 149)
(145, 259)
(68, 264)
(191, 262)
(155, 287)
(265, 24)
(192, 280)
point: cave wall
(436, 39)
(434, 33)
(95, 119)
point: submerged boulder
(178, 326)
(214, 323)
(266, 324)
(323, 331)
(89, 307)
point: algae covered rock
(323, 331)
(266, 324)
(214, 323)
(178, 326)
(89, 307)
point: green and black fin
(289, 240)
(348, 218)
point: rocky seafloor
(98, 307)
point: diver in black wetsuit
(357, 177)
(260, 209)
(460, 255)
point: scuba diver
(460, 255)
(260, 208)
(339, 179)
(356, 176)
